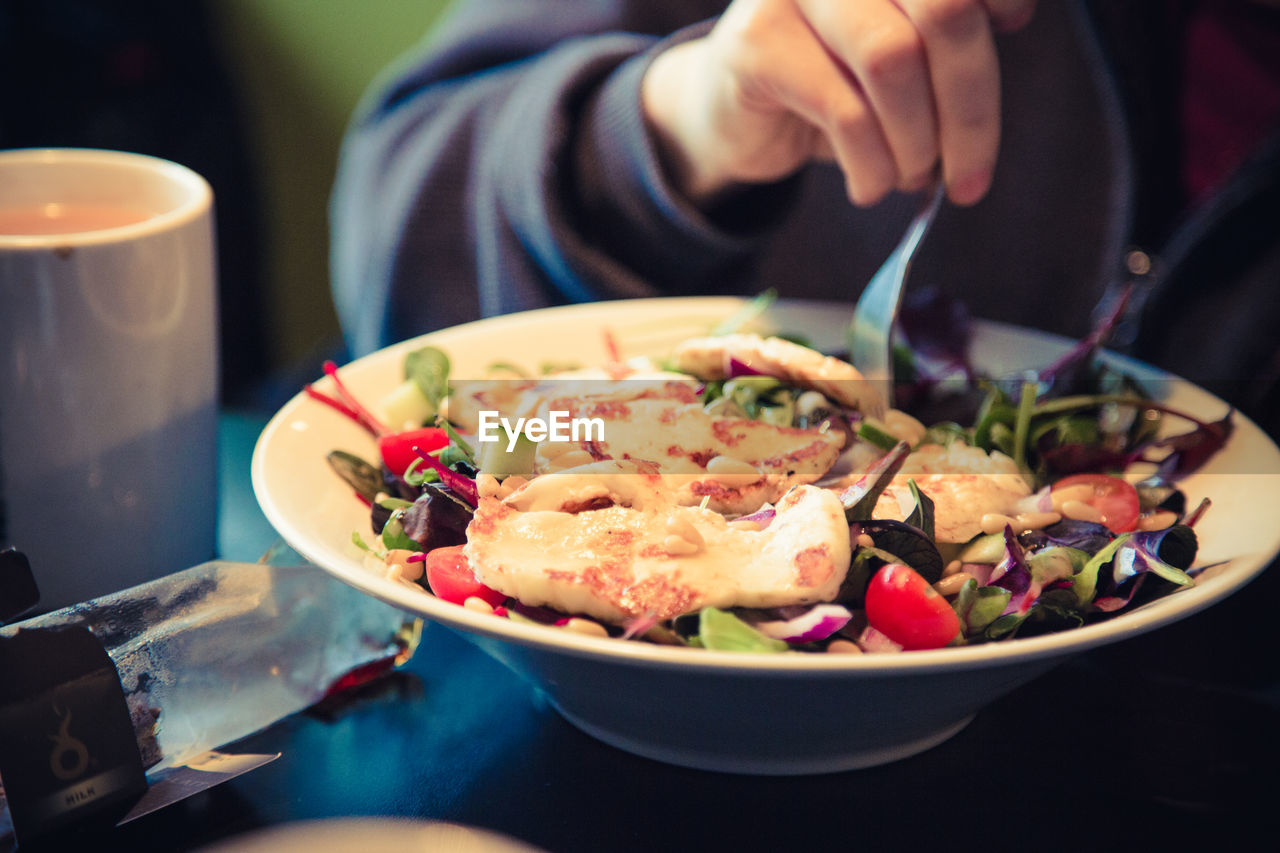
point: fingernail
(970, 189)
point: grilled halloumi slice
(839, 381)
(963, 482)
(523, 398)
(736, 464)
(609, 541)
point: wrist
(676, 111)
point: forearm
(510, 171)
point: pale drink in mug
(108, 382)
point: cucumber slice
(494, 458)
(406, 407)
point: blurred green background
(299, 68)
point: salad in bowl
(747, 492)
(717, 682)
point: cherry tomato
(1114, 499)
(906, 609)
(397, 448)
(451, 578)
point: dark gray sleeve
(506, 166)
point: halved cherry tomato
(451, 578)
(1114, 499)
(397, 447)
(905, 608)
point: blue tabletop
(1168, 738)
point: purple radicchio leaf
(906, 543)
(1073, 364)
(1140, 554)
(1013, 573)
(1190, 450)
(981, 572)
(1175, 546)
(871, 640)
(1121, 598)
(762, 516)
(860, 498)
(938, 327)
(1086, 536)
(799, 624)
(737, 367)
(1078, 457)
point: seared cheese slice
(712, 358)
(609, 541)
(683, 438)
(963, 482)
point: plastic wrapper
(219, 651)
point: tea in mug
(70, 218)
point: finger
(1010, 15)
(826, 97)
(965, 76)
(797, 73)
(882, 50)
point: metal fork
(870, 344)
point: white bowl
(768, 714)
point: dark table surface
(1170, 739)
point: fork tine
(870, 332)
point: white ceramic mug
(108, 368)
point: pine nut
(678, 546)
(864, 540)
(994, 522)
(1157, 520)
(550, 450)
(904, 427)
(1035, 520)
(487, 485)
(951, 584)
(732, 472)
(843, 647)
(1081, 492)
(1081, 511)
(478, 605)
(573, 459)
(951, 568)
(585, 627)
(681, 527)
(399, 567)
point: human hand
(888, 89)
